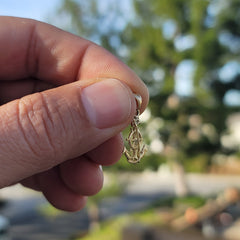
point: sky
(39, 10)
(42, 10)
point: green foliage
(157, 39)
(199, 163)
(175, 202)
(110, 230)
(189, 201)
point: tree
(167, 35)
(160, 39)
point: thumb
(41, 130)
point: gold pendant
(137, 148)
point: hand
(64, 102)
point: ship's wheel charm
(136, 145)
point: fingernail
(107, 103)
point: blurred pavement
(149, 183)
(27, 221)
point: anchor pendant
(137, 148)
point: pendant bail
(138, 99)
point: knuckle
(37, 126)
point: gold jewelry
(137, 148)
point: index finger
(32, 49)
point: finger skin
(79, 177)
(57, 193)
(15, 89)
(109, 152)
(34, 49)
(82, 176)
(35, 135)
(31, 49)
(43, 130)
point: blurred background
(187, 186)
